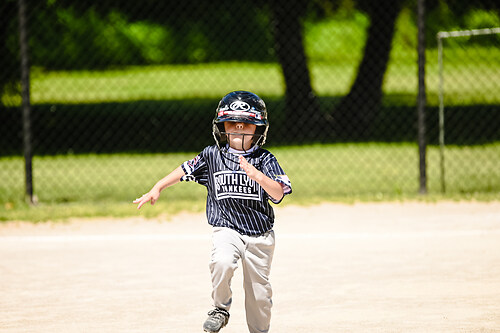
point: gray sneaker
(216, 320)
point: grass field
(105, 185)
(464, 80)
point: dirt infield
(398, 267)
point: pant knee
(223, 265)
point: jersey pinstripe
(233, 199)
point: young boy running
(241, 178)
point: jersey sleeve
(196, 169)
(273, 170)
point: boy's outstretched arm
(272, 187)
(171, 179)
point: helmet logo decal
(239, 106)
(255, 115)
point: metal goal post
(440, 36)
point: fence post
(421, 102)
(26, 105)
(441, 113)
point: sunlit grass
(465, 83)
(105, 185)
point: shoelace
(218, 314)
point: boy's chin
(238, 146)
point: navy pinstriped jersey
(233, 199)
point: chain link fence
(122, 92)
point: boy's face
(238, 141)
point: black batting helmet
(241, 106)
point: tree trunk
(8, 61)
(358, 110)
(301, 102)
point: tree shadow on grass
(186, 125)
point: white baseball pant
(256, 254)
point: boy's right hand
(150, 196)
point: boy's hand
(150, 196)
(250, 170)
(272, 187)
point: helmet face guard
(222, 137)
(241, 106)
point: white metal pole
(441, 113)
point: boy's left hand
(249, 169)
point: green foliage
(90, 38)
(444, 18)
(332, 33)
(480, 19)
(337, 39)
(70, 37)
(404, 43)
